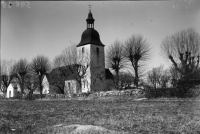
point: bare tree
(125, 79)
(158, 77)
(165, 78)
(40, 66)
(58, 61)
(7, 74)
(58, 78)
(31, 82)
(175, 76)
(137, 51)
(183, 50)
(153, 76)
(115, 59)
(21, 69)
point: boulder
(81, 129)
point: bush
(34, 96)
(160, 92)
(84, 94)
(194, 92)
(2, 96)
(171, 92)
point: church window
(69, 85)
(83, 50)
(97, 50)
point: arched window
(69, 85)
(83, 50)
(97, 49)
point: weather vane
(90, 7)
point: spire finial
(90, 7)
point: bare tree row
(135, 51)
(163, 78)
(28, 75)
(183, 50)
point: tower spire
(90, 7)
(90, 20)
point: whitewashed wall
(70, 87)
(11, 91)
(45, 85)
(95, 76)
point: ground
(122, 115)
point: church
(90, 49)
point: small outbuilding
(12, 90)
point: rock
(82, 129)
(139, 99)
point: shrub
(194, 92)
(160, 92)
(34, 96)
(85, 94)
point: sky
(48, 27)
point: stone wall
(70, 87)
(56, 96)
(100, 94)
(128, 92)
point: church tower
(90, 51)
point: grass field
(123, 115)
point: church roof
(90, 36)
(58, 76)
(61, 73)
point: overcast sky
(48, 27)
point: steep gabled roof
(62, 73)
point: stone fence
(127, 92)
(56, 96)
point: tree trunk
(80, 89)
(117, 80)
(155, 86)
(22, 87)
(136, 75)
